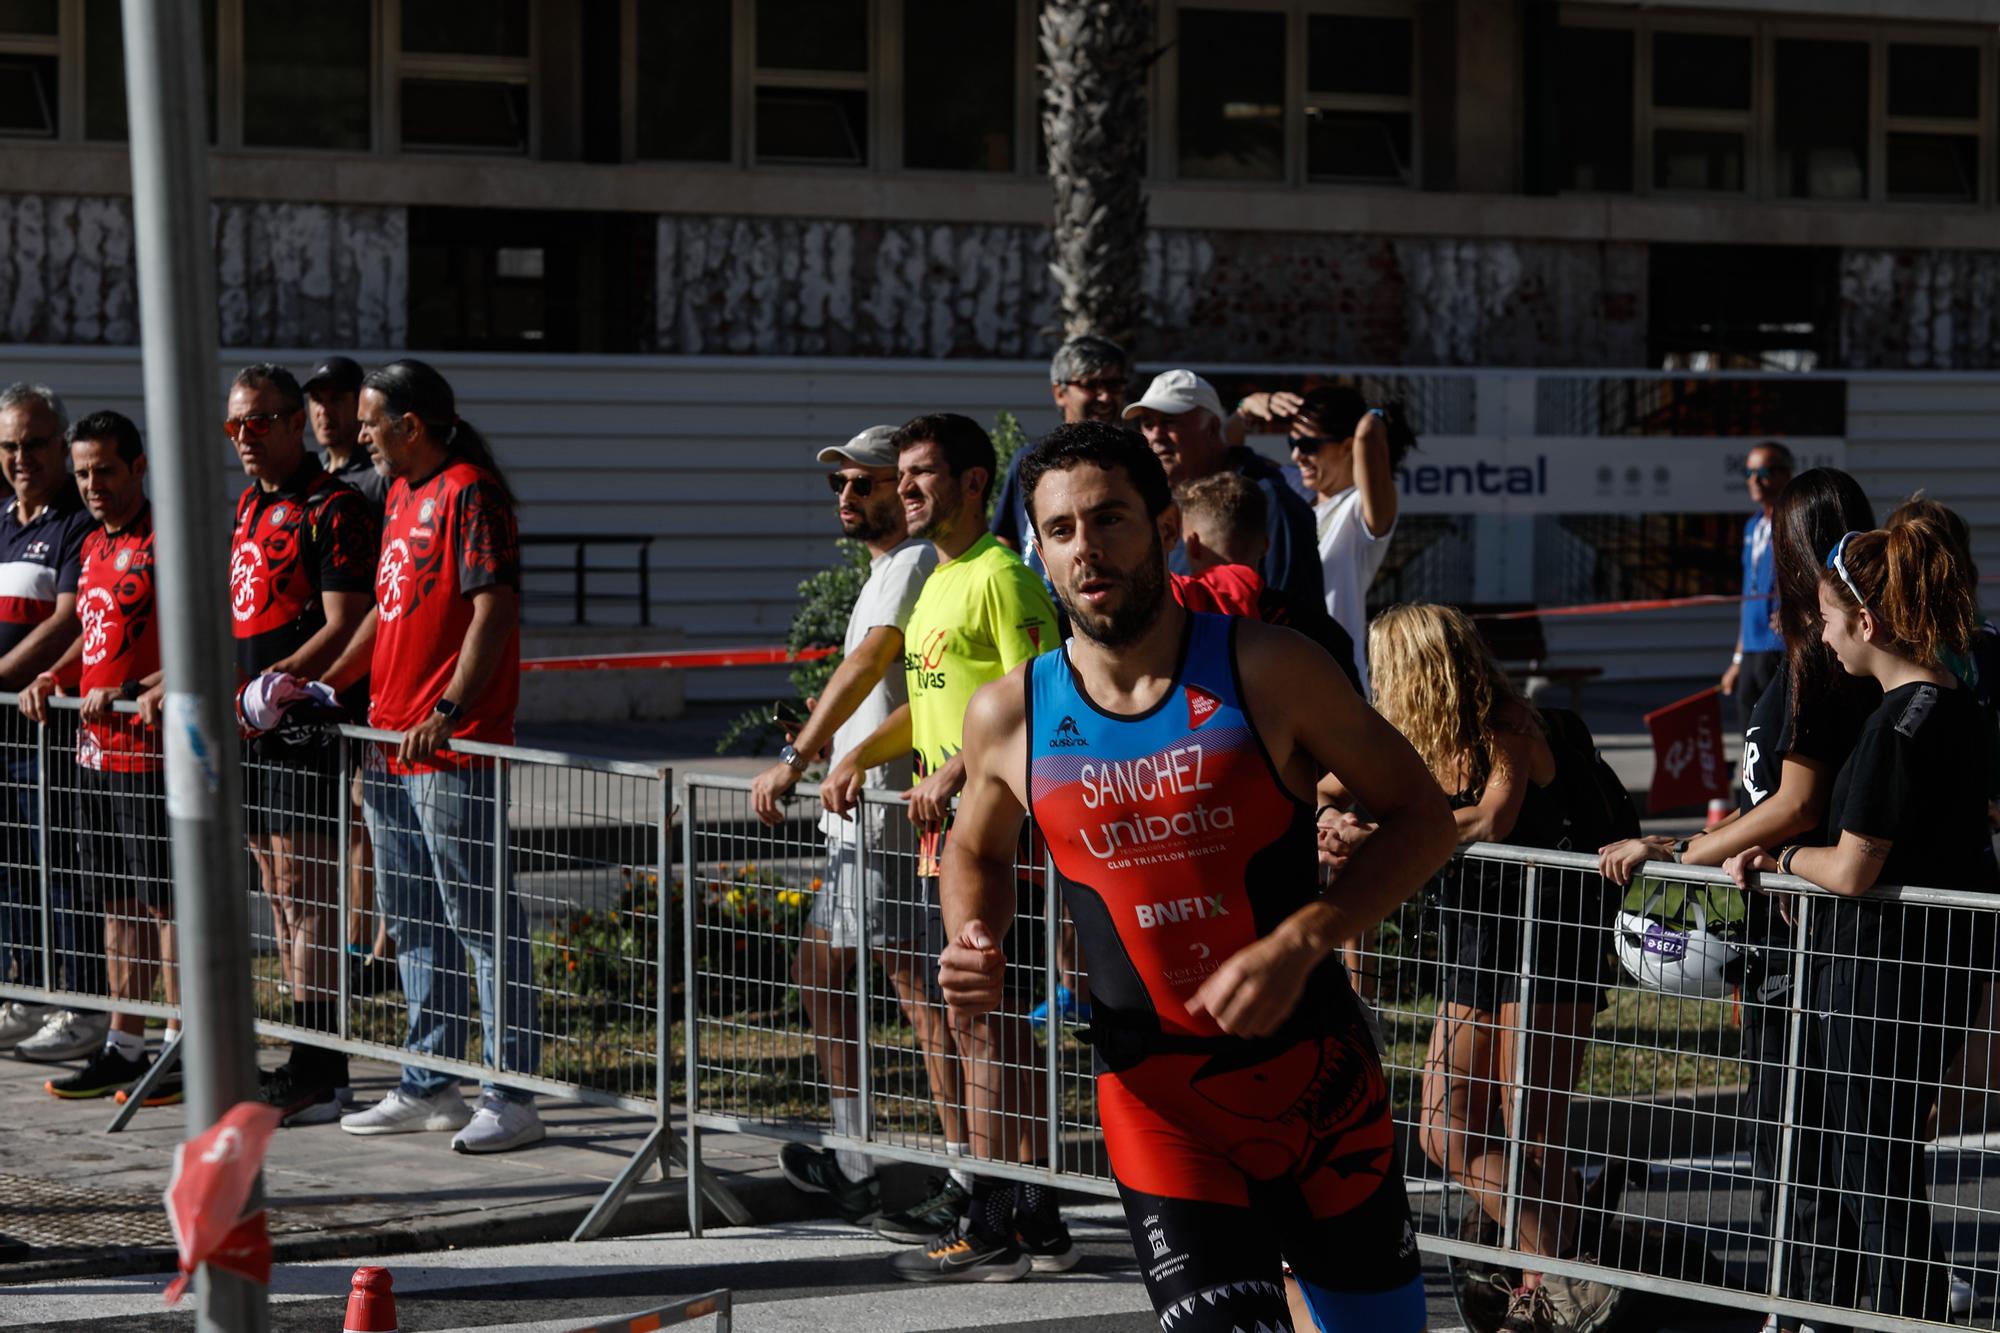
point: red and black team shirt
(442, 540)
(314, 534)
(120, 640)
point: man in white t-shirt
(1347, 454)
(853, 903)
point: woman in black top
(1888, 983)
(1801, 730)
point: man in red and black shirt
(301, 584)
(122, 837)
(444, 667)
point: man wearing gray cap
(1182, 419)
(333, 393)
(852, 906)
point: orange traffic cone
(371, 1307)
(1718, 810)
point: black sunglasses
(1312, 444)
(1764, 473)
(838, 482)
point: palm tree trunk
(1094, 59)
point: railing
(578, 571)
(526, 893)
(1552, 1112)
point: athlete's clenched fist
(970, 971)
(1255, 991)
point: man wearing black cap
(333, 391)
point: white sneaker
(500, 1123)
(400, 1113)
(20, 1021)
(1961, 1294)
(66, 1035)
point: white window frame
(1295, 96)
(1760, 124)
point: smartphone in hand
(790, 713)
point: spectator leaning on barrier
(42, 529)
(981, 614)
(1088, 378)
(301, 585)
(334, 393)
(123, 844)
(1347, 455)
(1890, 997)
(1182, 420)
(1767, 470)
(855, 905)
(1494, 755)
(444, 664)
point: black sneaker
(1050, 1250)
(169, 1091)
(962, 1255)
(104, 1075)
(817, 1171)
(301, 1099)
(924, 1221)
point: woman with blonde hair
(1436, 681)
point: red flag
(213, 1173)
(1688, 766)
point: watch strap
(791, 757)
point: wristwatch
(791, 757)
(447, 710)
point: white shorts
(895, 911)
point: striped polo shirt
(39, 561)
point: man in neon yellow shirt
(981, 613)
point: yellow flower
(734, 897)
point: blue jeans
(434, 874)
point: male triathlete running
(1170, 761)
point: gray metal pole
(177, 324)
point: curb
(651, 1208)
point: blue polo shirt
(39, 561)
(1760, 588)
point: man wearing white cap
(1181, 418)
(852, 907)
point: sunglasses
(1105, 385)
(1312, 444)
(1762, 473)
(256, 425)
(1836, 563)
(29, 443)
(838, 483)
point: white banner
(1648, 474)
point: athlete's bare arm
(1313, 723)
(977, 888)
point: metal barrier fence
(525, 897)
(1791, 1117)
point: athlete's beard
(944, 508)
(1146, 593)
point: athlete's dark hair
(1808, 519)
(1104, 445)
(964, 443)
(414, 387)
(277, 377)
(1910, 580)
(112, 426)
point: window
(306, 67)
(1821, 119)
(682, 84)
(464, 76)
(811, 82)
(1360, 104)
(1701, 111)
(527, 280)
(104, 68)
(28, 68)
(1232, 95)
(1743, 307)
(958, 85)
(1932, 151)
(1594, 109)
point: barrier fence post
(343, 837)
(204, 793)
(502, 769)
(43, 868)
(864, 958)
(1052, 1030)
(1516, 1150)
(690, 1024)
(1795, 1033)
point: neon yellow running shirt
(978, 618)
